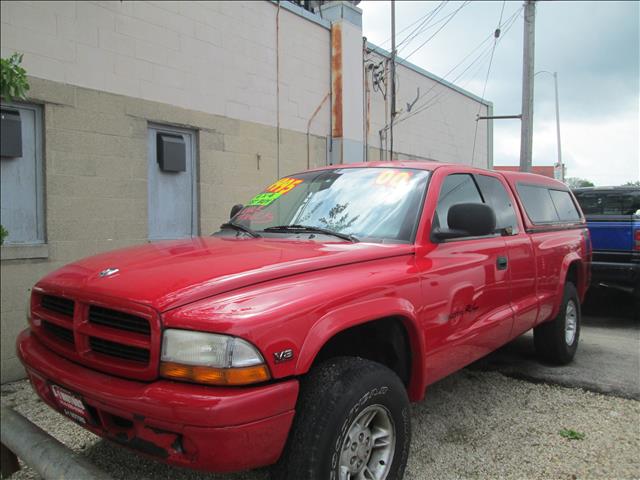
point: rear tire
(352, 414)
(556, 341)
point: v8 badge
(283, 355)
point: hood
(169, 274)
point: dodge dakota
(297, 335)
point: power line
(411, 24)
(480, 58)
(420, 29)
(486, 80)
(452, 15)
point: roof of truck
(512, 177)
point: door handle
(502, 263)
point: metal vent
(119, 350)
(60, 305)
(119, 320)
(59, 332)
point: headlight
(210, 358)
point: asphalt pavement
(608, 356)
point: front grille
(119, 320)
(118, 350)
(59, 332)
(125, 343)
(64, 306)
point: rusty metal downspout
(313, 115)
(330, 136)
(336, 85)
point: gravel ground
(471, 425)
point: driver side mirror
(467, 220)
(235, 209)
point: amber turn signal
(215, 376)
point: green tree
(632, 184)
(13, 78)
(574, 182)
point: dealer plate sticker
(70, 403)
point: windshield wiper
(240, 228)
(311, 229)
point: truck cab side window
(457, 188)
(538, 204)
(497, 197)
(565, 207)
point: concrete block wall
(95, 151)
(216, 57)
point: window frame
(559, 222)
(34, 248)
(482, 197)
(514, 202)
(571, 199)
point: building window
(22, 202)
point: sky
(593, 47)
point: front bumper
(194, 426)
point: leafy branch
(13, 78)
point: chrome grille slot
(118, 320)
(58, 332)
(118, 350)
(60, 305)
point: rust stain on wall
(336, 79)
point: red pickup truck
(298, 333)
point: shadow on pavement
(607, 307)
(608, 357)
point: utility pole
(393, 75)
(526, 132)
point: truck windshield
(365, 204)
(609, 202)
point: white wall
(443, 132)
(216, 57)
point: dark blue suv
(613, 217)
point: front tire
(352, 422)
(556, 341)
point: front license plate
(70, 403)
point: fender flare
(359, 313)
(564, 270)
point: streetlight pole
(560, 165)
